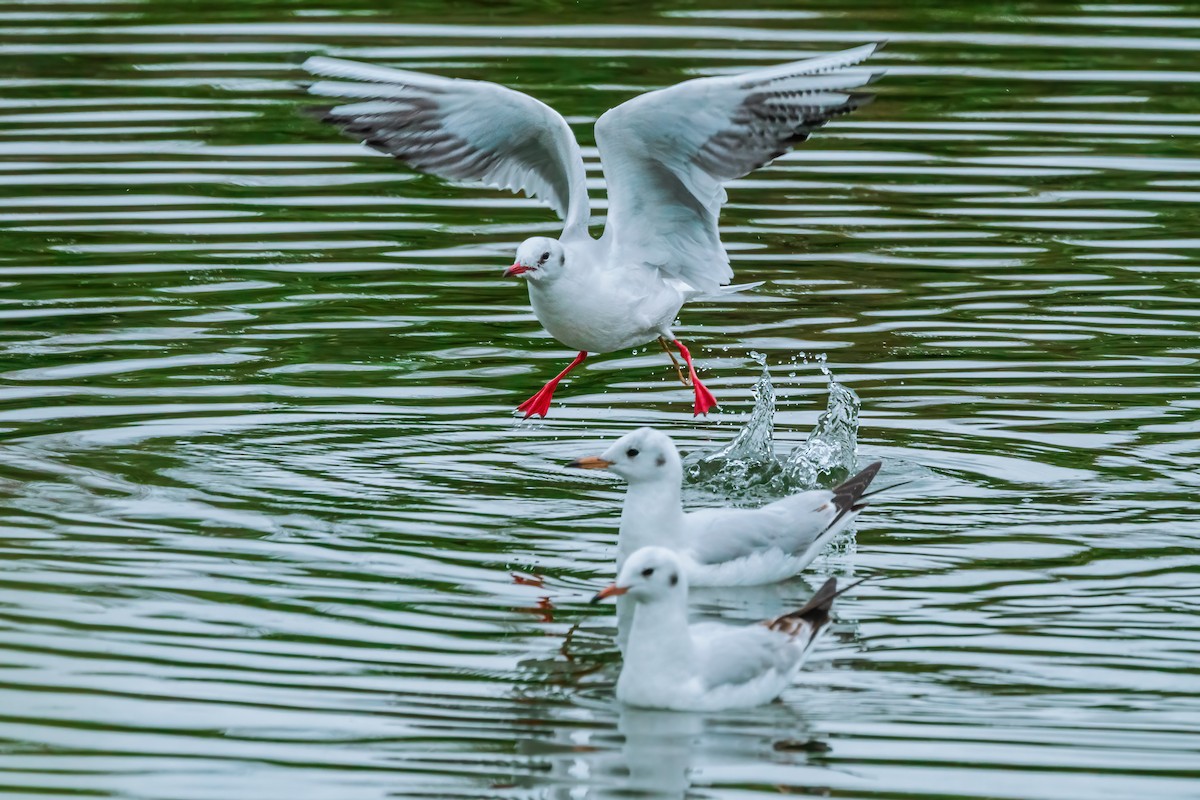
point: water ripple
(263, 495)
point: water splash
(748, 464)
(749, 460)
(830, 452)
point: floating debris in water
(748, 464)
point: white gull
(721, 546)
(707, 666)
(666, 156)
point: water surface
(262, 493)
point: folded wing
(718, 536)
(667, 153)
(729, 657)
(793, 524)
(461, 130)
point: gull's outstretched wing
(461, 130)
(667, 153)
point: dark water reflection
(262, 494)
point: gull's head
(537, 258)
(641, 456)
(651, 573)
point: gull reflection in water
(658, 748)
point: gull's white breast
(602, 309)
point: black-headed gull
(707, 666)
(721, 546)
(666, 155)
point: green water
(262, 493)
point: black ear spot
(647, 572)
(674, 579)
(660, 460)
(632, 452)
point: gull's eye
(632, 452)
(544, 256)
(647, 572)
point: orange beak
(612, 590)
(590, 462)
(515, 269)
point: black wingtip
(819, 605)
(816, 611)
(821, 601)
(887, 488)
(858, 100)
(850, 586)
(847, 493)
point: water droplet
(747, 465)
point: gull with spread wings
(666, 156)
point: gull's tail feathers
(692, 293)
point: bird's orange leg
(539, 404)
(704, 398)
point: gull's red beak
(611, 590)
(515, 269)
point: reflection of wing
(729, 657)
(469, 131)
(667, 153)
(719, 535)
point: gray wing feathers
(791, 524)
(667, 153)
(775, 115)
(735, 656)
(461, 130)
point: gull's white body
(731, 546)
(670, 664)
(666, 156)
(720, 546)
(595, 308)
(704, 667)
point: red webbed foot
(704, 398)
(539, 404)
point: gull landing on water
(706, 667)
(666, 156)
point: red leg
(704, 398)
(540, 403)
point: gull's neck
(651, 516)
(658, 656)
